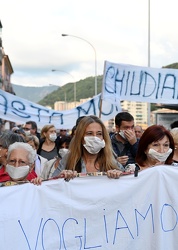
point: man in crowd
(30, 127)
(124, 141)
(62, 132)
(138, 131)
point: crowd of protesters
(29, 156)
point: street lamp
(95, 57)
(54, 70)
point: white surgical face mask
(63, 151)
(122, 134)
(93, 144)
(52, 137)
(27, 132)
(17, 172)
(162, 157)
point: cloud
(118, 31)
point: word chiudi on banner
(143, 84)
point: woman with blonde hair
(90, 151)
(48, 147)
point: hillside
(46, 96)
(34, 94)
(84, 88)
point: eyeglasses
(20, 163)
(26, 129)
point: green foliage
(171, 66)
(84, 89)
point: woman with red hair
(156, 147)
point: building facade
(6, 71)
(139, 110)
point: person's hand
(130, 168)
(37, 181)
(123, 159)
(130, 135)
(67, 174)
(114, 173)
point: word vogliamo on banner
(93, 213)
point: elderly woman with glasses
(6, 139)
(20, 162)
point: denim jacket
(121, 149)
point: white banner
(93, 213)
(141, 84)
(16, 109)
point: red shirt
(5, 177)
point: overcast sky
(117, 29)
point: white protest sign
(93, 213)
(141, 84)
(16, 109)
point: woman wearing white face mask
(50, 166)
(90, 151)
(6, 139)
(20, 162)
(156, 147)
(48, 147)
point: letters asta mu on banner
(16, 109)
(143, 84)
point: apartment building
(139, 110)
(62, 105)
